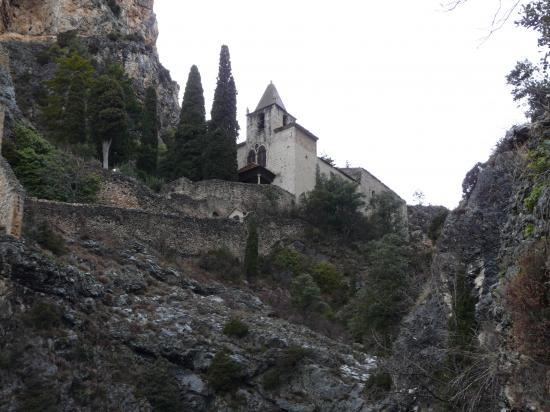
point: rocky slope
(114, 30)
(112, 327)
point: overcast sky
(402, 88)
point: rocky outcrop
(113, 328)
(475, 257)
(114, 30)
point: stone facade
(11, 194)
(184, 235)
(277, 142)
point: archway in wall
(262, 156)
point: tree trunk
(106, 147)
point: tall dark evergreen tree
(186, 159)
(147, 160)
(220, 154)
(109, 119)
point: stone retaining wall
(187, 236)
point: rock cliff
(114, 30)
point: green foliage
(48, 239)
(378, 384)
(220, 152)
(289, 260)
(65, 109)
(43, 316)
(379, 306)
(221, 262)
(531, 201)
(109, 115)
(251, 252)
(305, 293)
(285, 366)
(47, 173)
(236, 328)
(539, 159)
(327, 277)
(147, 160)
(462, 323)
(224, 374)
(528, 230)
(158, 385)
(385, 216)
(334, 205)
(187, 157)
(436, 225)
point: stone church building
(280, 151)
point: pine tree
(65, 109)
(190, 136)
(220, 155)
(251, 252)
(147, 160)
(109, 119)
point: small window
(373, 193)
(285, 119)
(261, 122)
(262, 156)
(251, 157)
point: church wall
(281, 155)
(305, 163)
(328, 171)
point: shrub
(251, 252)
(47, 173)
(48, 239)
(221, 262)
(385, 216)
(158, 385)
(527, 298)
(327, 277)
(436, 225)
(235, 327)
(285, 365)
(334, 205)
(224, 374)
(43, 316)
(305, 293)
(531, 201)
(289, 260)
(378, 384)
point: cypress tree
(251, 252)
(147, 160)
(190, 135)
(220, 155)
(109, 119)
(65, 109)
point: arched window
(262, 156)
(251, 157)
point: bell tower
(270, 114)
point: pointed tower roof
(271, 96)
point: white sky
(401, 88)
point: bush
(48, 239)
(328, 278)
(531, 201)
(158, 385)
(285, 365)
(235, 327)
(221, 262)
(224, 374)
(378, 384)
(47, 173)
(527, 300)
(43, 316)
(289, 260)
(436, 225)
(305, 293)
(334, 205)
